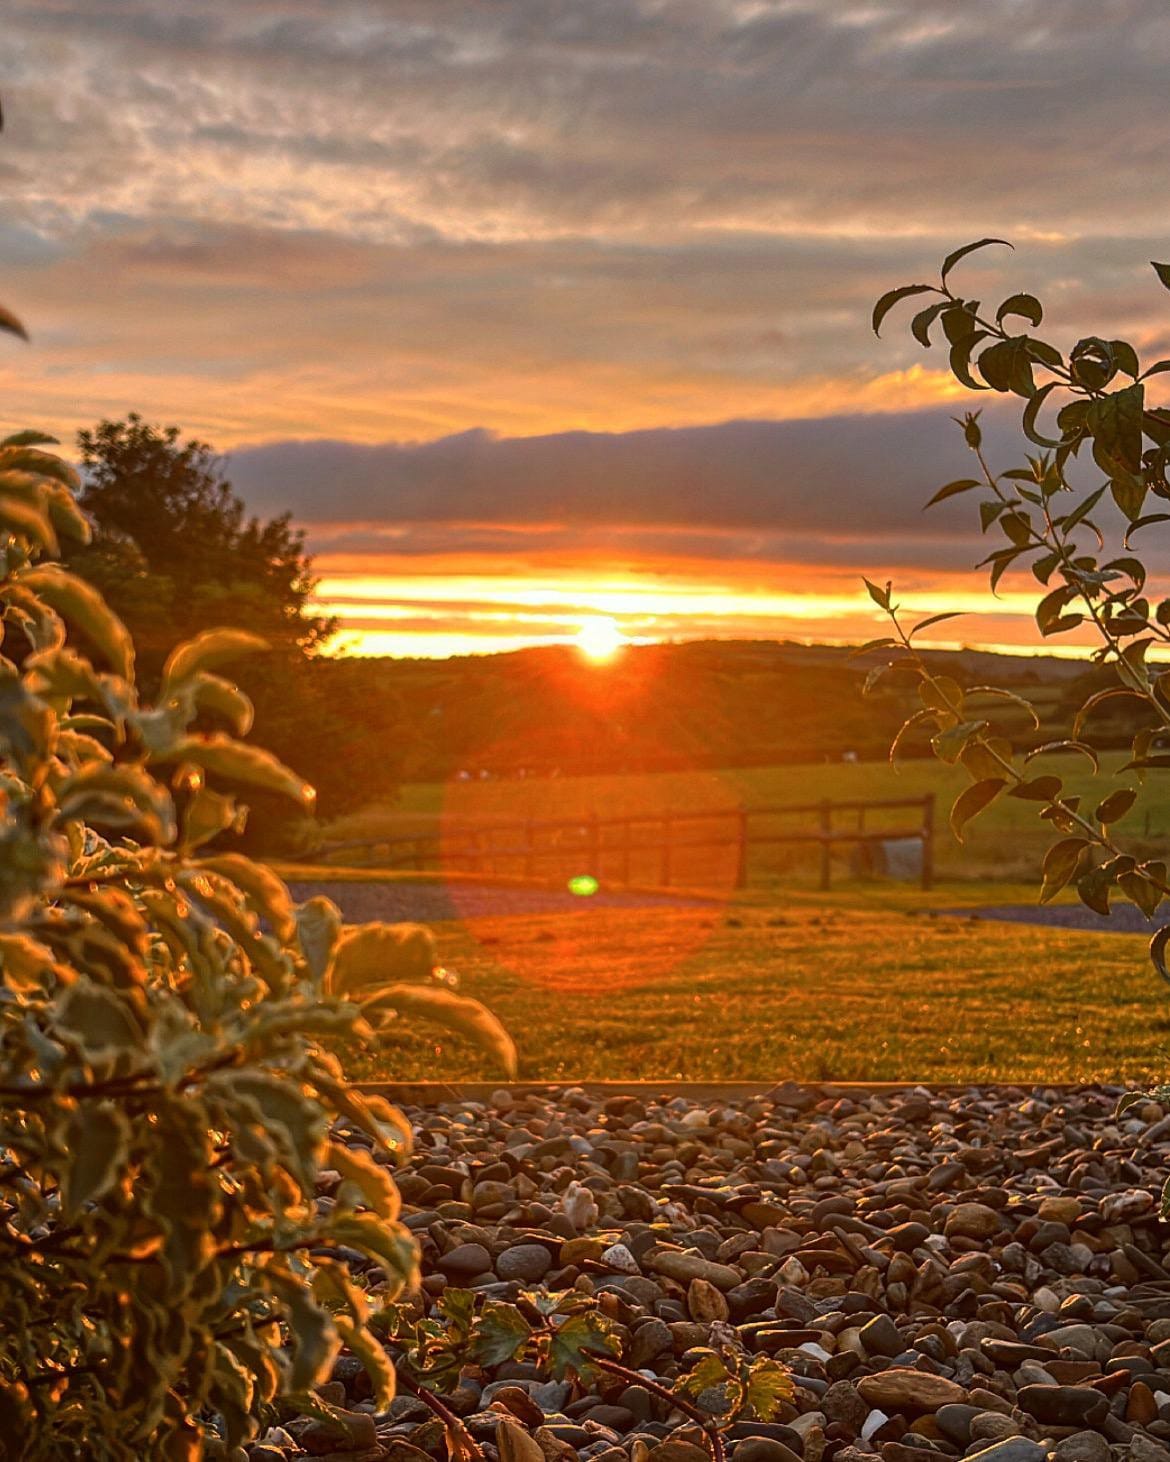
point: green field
(852, 985)
(1008, 840)
(874, 980)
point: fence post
(742, 850)
(928, 842)
(826, 845)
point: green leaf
(769, 1387)
(457, 1013)
(376, 954)
(1140, 891)
(1098, 698)
(29, 439)
(884, 643)
(264, 891)
(83, 607)
(9, 322)
(1158, 960)
(573, 1339)
(923, 320)
(97, 1142)
(971, 801)
(1163, 272)
(501, 1333)
(936, 619)
(99, 1021)
(1081, 512)
(949, 744)
(1039, 789)
(1027, 306)
(1050, 747)
(235, 761)
(953, 258)
(952, 489)
(318, 930)
(375, 1361)
(1060, 863)
(893, 297)
(210, 648)
(314, 1336)
(916, 719)
(1145, 523)
(1116, 805)
(881, 597)
(996, 693)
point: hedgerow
(169, 1271)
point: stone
(1063, 1405)
(684, 1266)
(955, 1420)
(902, 1389)
(841, 1403)
(527, 1262)
(678, 1452)
(465, 1261)
(706, 1303)
(618, 1257)
(353, 1431)
(514, 1444)
(880, 1336)
(972, 1221)
(1012, 1449)
(763, 1449)
(1085, 1446)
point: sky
(539, 312)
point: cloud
(819, 491)
(406, 218)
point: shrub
(1069, 512)
(167, 1099)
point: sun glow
(599, 640)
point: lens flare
(584, 885)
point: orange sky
(563, 311)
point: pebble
(978, 1272)
(529, 1262)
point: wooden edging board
(430, 1093)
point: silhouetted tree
(175, 550)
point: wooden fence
(648, 847)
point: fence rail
(608, 845)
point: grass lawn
(861, 983)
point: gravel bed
(953, 1273)
(1125, 918)
(438, 901)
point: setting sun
(599, 640)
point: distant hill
(718, 703)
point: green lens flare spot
(584, 885)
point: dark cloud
(823, 491)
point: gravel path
(1125, 918)
(436, 902)
(952, 1273)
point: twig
(460, 1442)
(709, 1425)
